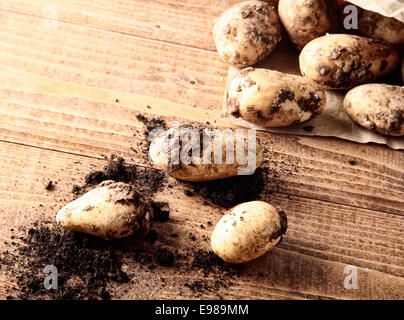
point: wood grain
(86, 120)
(70, 93)
(321, 239)
(186, 23)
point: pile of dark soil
(85, 264)
(232, 191)
(146, 180)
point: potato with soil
(378, 107)
(111, 210)
(273, 99)
(248, 231)
(193, 153)
(342, 61)
(247, 33)
(374, 25)
(305, 20)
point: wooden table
(74, 75)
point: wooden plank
(187, 23)
(309, 264)
(112, 61)
(80, 119)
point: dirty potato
(378, 107)
(111, 210)
(305, 20)
(273, 99)
(374, 25)
(247, 33)
(342, 61)
(194, 153)
(247, 231)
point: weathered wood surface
(59, 115)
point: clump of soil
(161, 211)
(165, 257)
(151, 125)
(146, 180)
(85, 264)
(232, 191)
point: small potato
(111, 210)
(378, 107)
(305, 20)
(374, 25)
(247, 33)
(189, 153)
(342, 61)
(247, 231)
(273, 99)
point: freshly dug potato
(378, 107)
(247, 33)
(111, 210)
(374, 25)
(342, 61)
(305, 20)
(194, 157)
(273, 99)
(247, 231)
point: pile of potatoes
(330, 58)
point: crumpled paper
(333, 121)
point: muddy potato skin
(247, 231)
(342, 61)
(374, 25)
(160, 155)
(305, 20)
(247, 33)
(111, 210)
(274, 99)
(378, 107)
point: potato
(247, 33)
(273, 99)
(378, 107)
(194, 156)
(342, 61)
(247, 231)
(374, 25)
(305, 20)
(111, 210)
